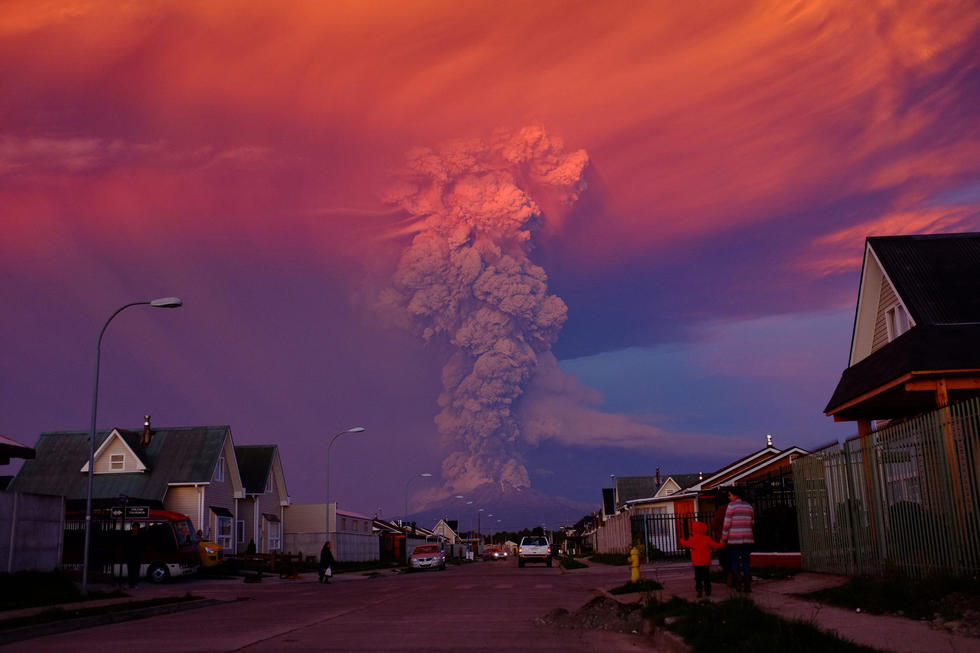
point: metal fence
(904, 498)
(662, 533)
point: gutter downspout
(200, 509)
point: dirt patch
(966, 605)
(601, 613)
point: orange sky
(739, 155)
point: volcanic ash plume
(466, 280)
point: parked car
(428, 556)
(494, 553)
(211, 553)
(534, 548)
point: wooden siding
(184, 500)
(221, 494)
(255, 531)
(305, 518)
(886, 300)
(117, 446)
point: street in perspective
(477, 606)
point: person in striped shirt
(737, 534)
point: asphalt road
(484, 606)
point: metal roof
(174, 455)
(637, 487)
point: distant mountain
(515, 508)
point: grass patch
(29, 589)
(915, 599)
(642, 585)
(616, 559)
(60, 614)
(568, 562)
(738, 626)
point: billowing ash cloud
(467, 280)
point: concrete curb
(67, 625)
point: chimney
(658, 477)
(147, 433)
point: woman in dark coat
(326, 563)
(717, 525)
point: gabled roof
(937, 279)
(726, 473)
(636, 487)
(183, 455)
(936, 276)
(13, 449)
(443, 526)
(682, 481)
(129, 441)
(255, 465)
(686, 480)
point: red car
(494, 553)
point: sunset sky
(701, 178)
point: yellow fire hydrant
(634, 565)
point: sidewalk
(882, 632)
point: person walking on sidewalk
(717, 526)
(700, 545)
(326, 563)
(134, 553)
(737, 534)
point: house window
(274, 536)
(219, 471)
(117, 461)
(241, 531)
(343, 523)
(268, 484)
(896, 321)
(224, 532)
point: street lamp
(353, 429)
(479, 531)
(412, 478)
(163, 302)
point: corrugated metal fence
(903, 499)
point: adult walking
(717, 528)
(326, 563)
(134, 553)
(737, 534)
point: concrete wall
(347, 547)
(31, 531)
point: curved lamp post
(163, 302)
(353, 429)
(410, 479)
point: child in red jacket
(701, 545)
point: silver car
(428, 556)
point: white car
(534, 548)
